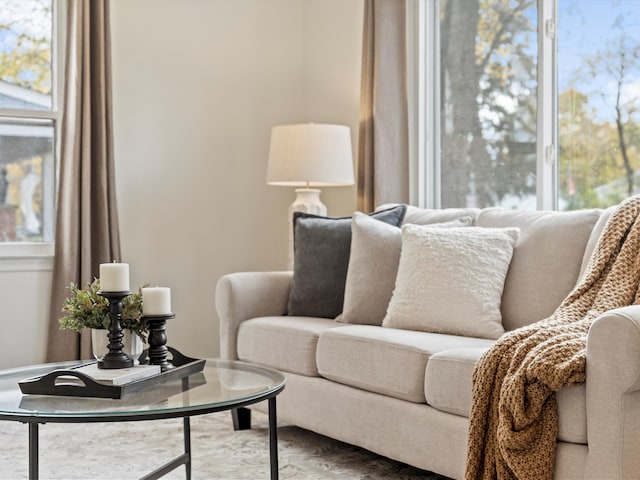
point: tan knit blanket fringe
(514, 422)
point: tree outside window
(27, 121)
(489, 102)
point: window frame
(423, 47)
(19, 256)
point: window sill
(26, 257)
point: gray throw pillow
(321, 259)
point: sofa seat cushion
(448, 388)
(285, 343)
(383, 360)
(448, 384)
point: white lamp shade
(311, 154)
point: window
(29, 120)
(525, 103)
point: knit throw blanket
(514, 423)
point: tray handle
(85, 386)
(176, 358)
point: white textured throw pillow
(451, 280)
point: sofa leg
(241, 418)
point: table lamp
(309, 155)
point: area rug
(131, 450)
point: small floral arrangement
(86, 309)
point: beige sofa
(406, 394)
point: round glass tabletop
(221, 385)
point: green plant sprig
(84, 308)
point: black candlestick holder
(115, 358)
(158, 340)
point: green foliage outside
(489, 74)
(599, 159)
(25, 62)
(84, 308)
(25, 59)
(589, 154)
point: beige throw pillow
(451, 280)
(373, 265)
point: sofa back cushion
(594, 237)
(428, 216)
(546, 261)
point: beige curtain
(383, 153)
(87, 221)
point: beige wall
(331, 76)
(198, 84)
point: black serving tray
(50, 384)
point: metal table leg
(273, 439)
(187, 446)
(184, 459)
(33, 451)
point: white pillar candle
(156, 301)
(114, 277)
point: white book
(119, 376)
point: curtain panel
(383, 153)
(86, 218)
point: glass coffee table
(221, 385)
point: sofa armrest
(613, 394)
(245, 295)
